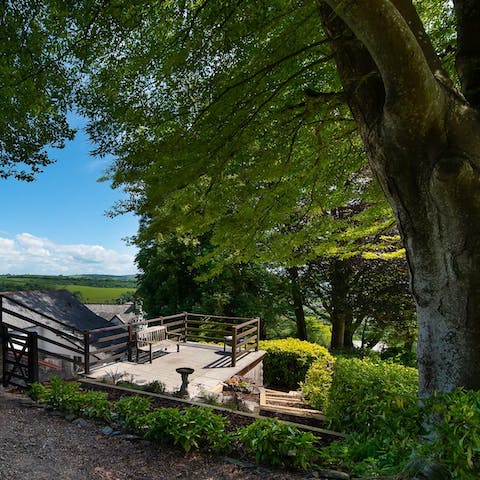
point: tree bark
(351, 327)
(423, 143)
(342, 314)
(297, 298)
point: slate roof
(126, 312)
(59, 304)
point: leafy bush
(277, 443)
(371, 397)
(192, 427)
(377, 402)
(288, 360)
(400, 355)
(69, 398)
(95, 405)
(318, 332)
(455, 443)
(131, 409)
(63, 396)
(154, 387)
(318, 381)
(37, 392)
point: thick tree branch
(361, 81)
(409, 83)
(410, 15)
(467, 14)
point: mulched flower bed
(236, 419)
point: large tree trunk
(297, 298)
(351, 327)
(341, 311)
(423, 143)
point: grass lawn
(97, 294)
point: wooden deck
(212, 367)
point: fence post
(258, 334)
(234, 346)
(86, 351)
(4, 333)
(185, 326)
(130, 342)
(32, 345)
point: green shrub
(63, 396)
(318, 332)
(130, 411)
(318, 381)
(192, 427)
(374, 455)
(372, 397)
(37, 392)
(288, 360)
(277, 443)
(376, 402)
(96, 405)
(154, 387)
(455, 443)
(69, 398)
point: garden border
(176, 402)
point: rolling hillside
(87, 288)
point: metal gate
(19, 356)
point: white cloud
(26, 253)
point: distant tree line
(46, 282)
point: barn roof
(58, 304)
(126, 312)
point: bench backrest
(153, 334)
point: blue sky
(57, 224)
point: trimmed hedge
(368, 396)
(288, 360)
(376, 403)
(318, 381)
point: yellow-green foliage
(376, 403)
(318, 332)
(317, 384)
(288, 360)
(366, 396)
(456, 443)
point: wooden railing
(244, 333)
(89, 348)
(65, 342)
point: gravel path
(35, 444)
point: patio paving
(211, 364)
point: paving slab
(212, 367)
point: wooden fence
(111, 343)
(85, 349)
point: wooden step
(281, 403)
(288, 404)
(293, 411)
(278, 393)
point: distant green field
(97, 294)
(87, 288)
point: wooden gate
(19, 356)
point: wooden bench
(228, 340)
(155, 339)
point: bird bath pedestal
(184, 372)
